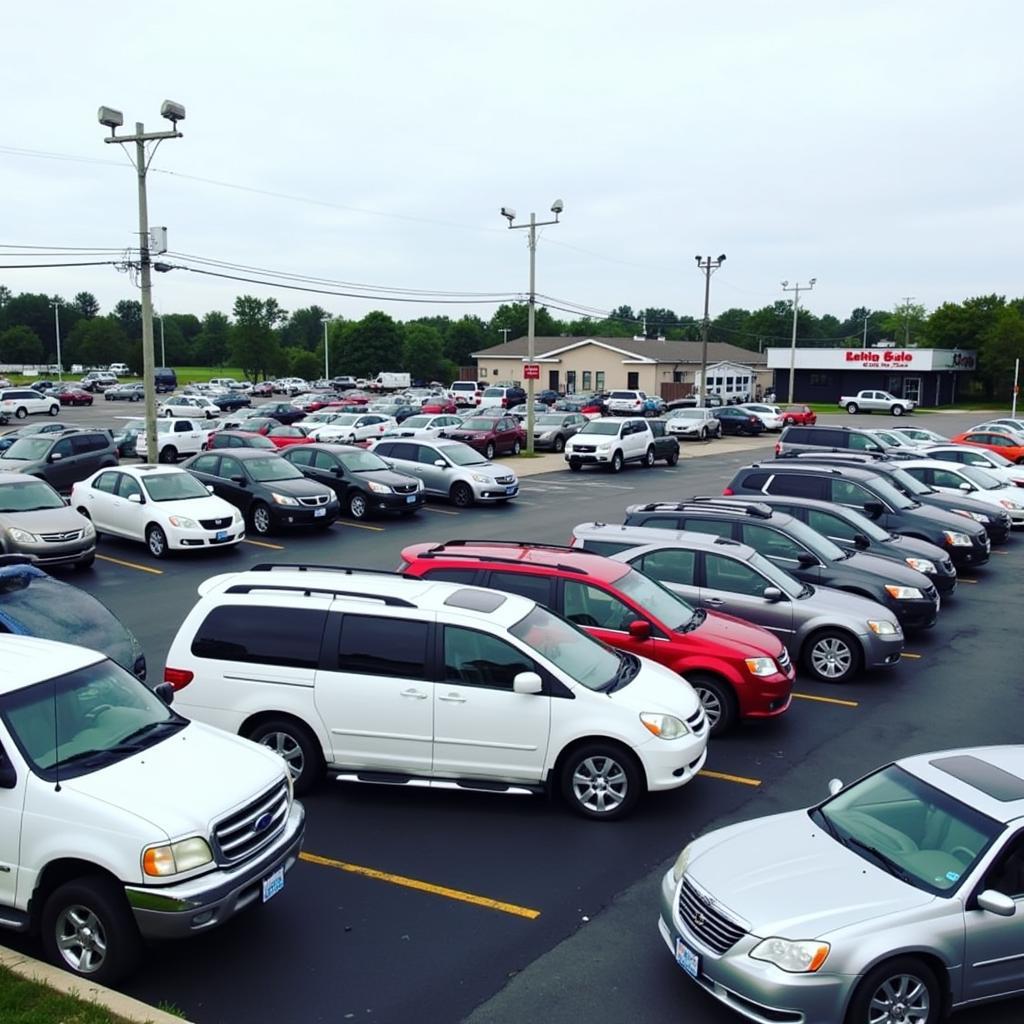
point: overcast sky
(876, 146)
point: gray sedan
(34, 521)
(891, 902)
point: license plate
(221, 535)
(511, 490)
(273, 884)
(686, 958)
(319, 512)
(410, 499)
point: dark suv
(737, 669)
(809, 439)
(61, 459)
(861, 488)
(802, 552)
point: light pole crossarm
(144, 137)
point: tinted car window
(709, 526)
(377, 646)
(128, 486)
(106, 482)
(63, 448)
(665, 522)
(771, 543)
(536, 588)
(755, 481)
(830, 525)
(734, 577)
(589, 606)
(264, 636)
(863, 443)
(206, 464)
(846, 492)
(479, 659)
(672, 565)
(453, 575)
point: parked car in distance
(175, 437)
(769, 415)
(497, 435)
(283, 412)
(98, 380)
(814, 438)
(736, 420)
(70, 394)
(712, 401)
(1004, 442)
(126, 436)
(627, 403)
(61, 459)
(920, 866)
(977, 483)
(364, 483)
(802, 415)
(17, 403)
(189, 405)
(165, 380)
(284, 437)
(398, 411)
(35, 522)
(31, 429)
(262, 389)
(425, 425)
(1007, 423)
(439, 405)
(698, 423)
(876, 401)
(350, 427)
(552, 429)
(125, 393)
(919, 435)
(666, 445)
(239, 439)
(467, 392)
(231, 401)
(974, 455)
(505, 397)
(611, 441)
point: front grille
(237, 836)
(783, 660)
(947, 566)
(589, 449)
(317, 499)
(505, 480)
(215, 524)
(930, 592)
(61, 538)
(405, 488)
(706, 921)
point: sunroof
(476, 600)
(992, 781)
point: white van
(121, 369)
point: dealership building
(928, 376)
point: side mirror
(834, 786)
(55, 457)
(640, 629)
(996, 903)
(806, 560)
(873, 509)
(135, 499)
(527, 682)
(965, 486)
(860, 541)
(165, 692)
(209, 488)
(237, 479)
(771, 594)
(338, 471)
(440, 463)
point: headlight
(978, 517)
(761, 666)
(173, 858)
(956, 540)
(665, 727)
(799, 957)
(481, 479)
(22, 536)
(922, 565)
(604, 446)
(902, 593)
(1012, 505)
(682, 863)
(378, 488)
(88, 530)
(283, 499)
(883, 627)
(183, 522)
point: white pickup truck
(176, 437)
(876, 401)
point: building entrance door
(912, 389)
(570, 382)
(633, 380)
(553, 380)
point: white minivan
(22, 402)
(377, 678)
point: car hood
(384, 476)
(490, 469)
(949, 502)
(886, 569)
(803, 884)
(657, 689)
(903, 547)
(210, 507)
(939, 514)
(180, 784)
(744, 638)
(46, 520)
(16, 465)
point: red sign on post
(531, 371)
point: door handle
(714, 600)
(453, 698)
(415, 694)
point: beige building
(667, 368)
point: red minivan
(738, 670)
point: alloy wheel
(81, 939)
(901, 999)
(831, 657)
(600, 784)
(287, 747)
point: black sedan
(736, 421)
(270, 492)
(666, 446)
(364, 482)
(241, 439)
(283, 412)
(231, 401)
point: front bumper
(589, 458)
(176, 911)
(494, 491)
(881, 651)
(183, 540)
(395, 502)
(673, 763)
(916, 613)
(977, 554)
(766, 696)
(56, 553)
(302, 515)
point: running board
(15, 920)
(465, 785)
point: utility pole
(907, 299)
(796, 289)
(1016, 377)
(325, 320)
(114, 119)
(56, 321)
(531, 343)
(866, 315)
(707, 266)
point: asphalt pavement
(439, 906)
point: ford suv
(737, 669)
(611, 442)
(379, 679)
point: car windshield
(344, 420)
(814, 541)
(28, 448)
(271, 468)
(477, 423)
(173, 487)
(861, 523)
(670, 609)
(494, 393)
(362, 462)
(579, 656)
(909, 828)
(85, 720)
(606, 427)
(992, 458)
(30, 496)
(909, 484)
(985, 480)
(463, 455)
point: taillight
(179, 678)
(778, 447)
(728, 491)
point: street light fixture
(531, 342)
(707, 266)
(114, 119)
(325, 320)
(796, 289)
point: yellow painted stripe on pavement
(131, 565)
(413, 883)
(360, 526)
(907, 654)
(441, 511)
(962, 580)
(264, 544)
(827, 700)
(999, 552)
(725, 777)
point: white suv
(20, 402)
(121, 818)
(611, 441)
(627, 403)
(378, 678)
(466, 392)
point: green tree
(515, 317)
(5, 295)
(906, 324)
(304, 329)
(370, 345)
(422, 351)
(213, 342)
(465, 337)
(964, 324)
(774, 324)
(20, 345)
(1001, 344)
(86, 305)
(304, 364)
(254, 344)
(34, 312)
(129, 315)
(99, 342)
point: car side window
(472, 658)
(386, 450)
(943, 478)
(861, 443)
(796, 485)
(590, 606)
(1007, 874)
(709, 526)
(466, 576)
(230, 467)
(422, 453)
(321, 460)
(261, 635)
(671, 565)
(127, 486)
(536, 588)
(771, 543)
(106, 482)
(733, 577)
(408, 452)
(300, 456)
(830, 525)
(63, 448)
(846, 492)
(379, 646)
(206, 464)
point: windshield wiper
(818, 815)
(698, 616)
(890, 865)
(131, 740)
(629, 665)
(806, 591)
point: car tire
(516, 448)
(904, 981)
(575, 465)
(21, 413)
(601, 781)
(156, 541)
(169, 453)
(84, 914)
(897, 410)
(851, 408)
(297, 746)
(559, 443)
(617, 463)
(718, 700)
(107, 398)
(53, 410)
(356, 505)
(259, 515)
(648, 462)
(672, 459)
(461, 495)
(703, 433)
(489, 451)
(832, 656)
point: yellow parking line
(742, 780)
(962, 580)
(412, 883)
(131, 565)
(999, 552)
(827, 700)
(441, 511)
(360, 526)
(264, 544)
(907, 654)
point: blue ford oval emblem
(262, 823)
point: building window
(678, 376)
(586, 380)
(494, 373)
(821, 380)
(599, 380)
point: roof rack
(504, 543)
(837, 454)
(385, 599)
(701, 503)
(438, 551)
(348, 570)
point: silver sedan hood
(782, 875)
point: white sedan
(354, 426)
(164, 507)
(190, 405)
(769, 415)
(974, 455)
(970, 481)
(425, 425)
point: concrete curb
(60, 981)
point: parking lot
(438, 906)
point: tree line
(265, 340)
